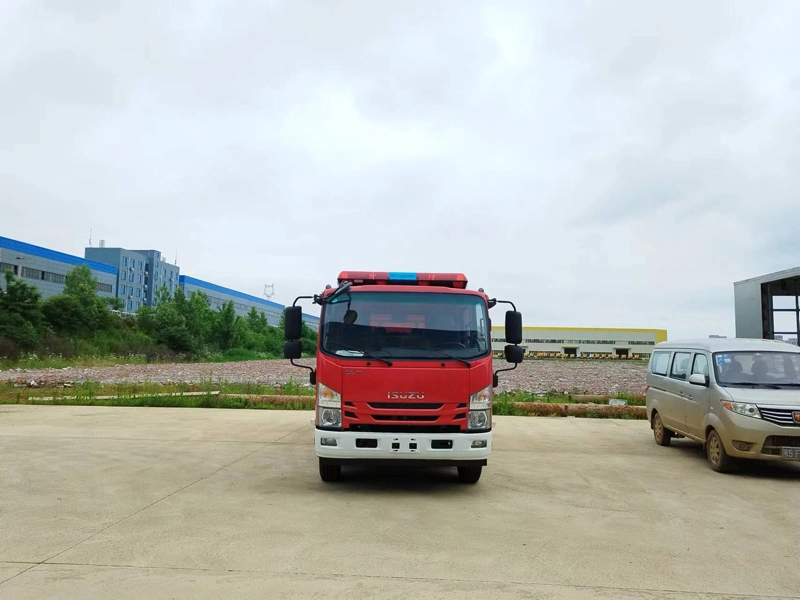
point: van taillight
(647, 387)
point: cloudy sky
(608, 163)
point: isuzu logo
(796, 416)
(409, 395)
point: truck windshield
(757, 368)
(406, 325)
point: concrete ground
(149, 503)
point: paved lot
(183, 503)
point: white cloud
(602, 164)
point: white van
(740, 397)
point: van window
(660, 363)
(680, 365)
(700, 364)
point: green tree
(21, 319)
(227, 332)
(79, 311)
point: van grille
(774, 443)
(779, 416)
(405, 417)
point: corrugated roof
(69, 259)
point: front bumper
(439, 447)
(766, 438)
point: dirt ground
(578, 376)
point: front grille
(779, 416)
(774, 443)
(406, 405)
(398, 428)
(405, 417)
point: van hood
(765, 396)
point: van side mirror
(293, 329)
(698, 379)
(513, 327)
(514, 354)
(292, 349)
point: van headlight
(329, 407)
(742, 408)
(481, 400)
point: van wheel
(469, 474)
(715, 452)
(661, 434)
(328, 472)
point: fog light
(479, 443)
(742, 446)
(327, 441)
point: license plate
(790, 453)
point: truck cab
(404, 371)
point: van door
(697, 398)
(677, 387)
(657, 379)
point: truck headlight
(742, 408)
(328, 397)
(479, 419)
(481, 400)
(330, 417)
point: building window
(140, 265)
(137, 306)
(122, 290)
(124, 261)
(138, 279)
(155, 301)
(170, 275)
(165, 274)
(31, 273)
(105, 287)
(54, 277)
(130, 304)
(170, 286)
(138, 292)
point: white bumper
(404, 446)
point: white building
(583, 342)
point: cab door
(697, 398)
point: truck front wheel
(469, 474)
(328, 472)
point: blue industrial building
(47, 269)
(131, 275)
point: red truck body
(404, 372)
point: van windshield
(406, 325)
(757, 368)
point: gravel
(575, 376)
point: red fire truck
(404, 371)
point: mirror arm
(494, 302)
(312, 376)
(314, 298)
(496, 379)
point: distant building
(584, 342)
(47, 269)
(140, 274)
(768, 307)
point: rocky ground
(590, 377)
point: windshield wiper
(364, 353)
(771, 386)
(441, 353)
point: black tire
(328, 472)
(661, 434)
(470, 474)
(719, 460)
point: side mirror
(513, 327)
(514, 354)
(293, 349)
(698, 379)
(294, 323)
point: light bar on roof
(453, 280)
